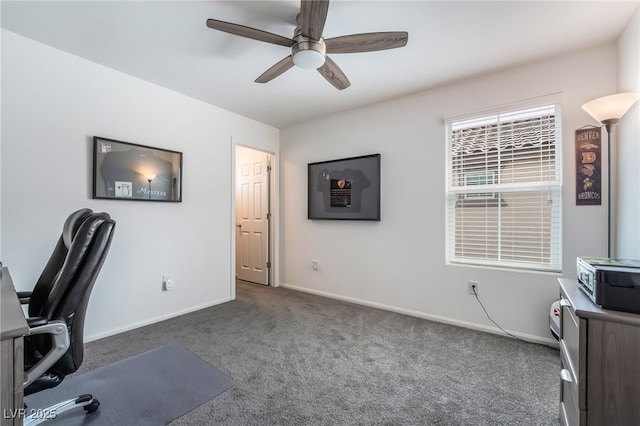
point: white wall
(53, 103)
(399, 263)
(628, 139)
(1, 44)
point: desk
(14, 327)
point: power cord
(475, 293)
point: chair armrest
(33, 322)
(24, 297)
(59, 346)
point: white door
(252, 215)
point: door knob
(238, 225)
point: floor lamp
(149, 178)
(608, 111)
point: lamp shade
(610, 109)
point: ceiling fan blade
(312, 17)
(276, 70)
(369, 42)
(334, 75)
(249, 32)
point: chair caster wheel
(92, 407)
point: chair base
(40, 415)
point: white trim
(437, 318)
(232, 225)
(118, 330)
(553, 98)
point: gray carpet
(150, 389)
(301, 359)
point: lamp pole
(608, 125)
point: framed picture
(588, 166)
(345, 189)
(128, 171)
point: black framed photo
(129, 171)
(344, 189)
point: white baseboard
(114, 331)
(466, 324)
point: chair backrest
(69, 294)
(43, 286)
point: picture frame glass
(129, 171)
(344, 189)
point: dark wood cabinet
(13, 328)
(600, 356)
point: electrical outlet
(167, 282)
(316, 265)
(473, 285)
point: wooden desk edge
(585, 308)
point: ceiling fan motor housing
(308, 53)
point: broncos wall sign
(588, 166)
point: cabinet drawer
(569, 411)
(569, 335)
(569, 408)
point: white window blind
(504, 188)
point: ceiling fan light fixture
(308, 59)
(308, 54)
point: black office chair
(54, 346)
(36, 297)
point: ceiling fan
(309, 49)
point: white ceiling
(169, 44)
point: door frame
(274, 200)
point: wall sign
(588, 166)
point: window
(479, 179)
(504, 189)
